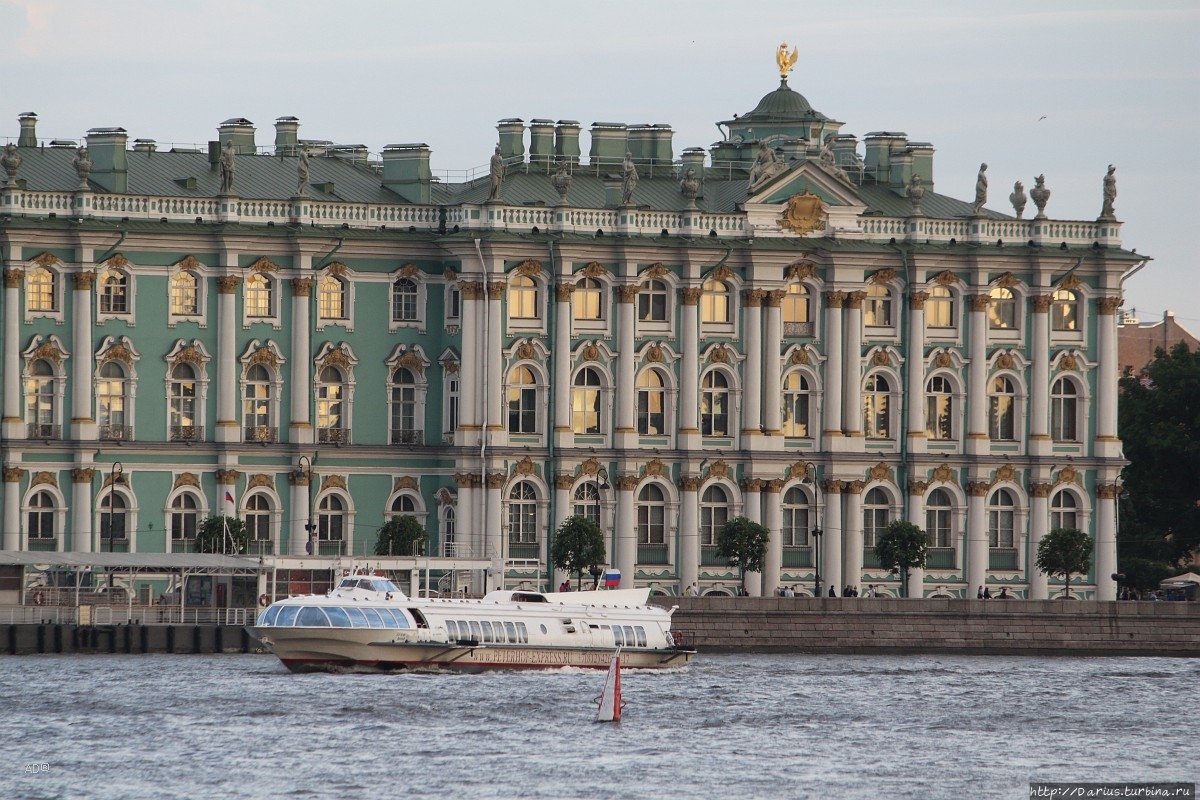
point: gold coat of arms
(804, 213)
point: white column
(977, 431)
(831, 544)
(493, 530)
(752, 394)
(81, 509)
(469, 371)
(12, 508)
(689, 373)
(976, 538)
(562, 510)
(915, 401)
(227, 383)
(773, 365)
(1039, 526)
(1039, 376)
(852, 411)
(626, 533)
(562, 358)
(852, 544)
(688, 558)
(773, 563)
(1107, 372)
(301, 514)
(301, 390)
(83, 425)
(752, 508)
(495, 382)
(916, 515)
(626, 360)
(12, 352)
(466, 544)
(1106, 540)
(833, 367)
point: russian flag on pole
(612, 579)
(229, 498)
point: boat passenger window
(366, 584)
(268, 616)
(451, 629)
(629, 638)
(618, 639)
(373, 619)
(522, 633)
(337, 616)
(287, 616)
(312, 617)
(357, 618)
(391, 620)
(641, 636)
(511, 630)
(417, 616)
(347, 583)
(476, 632)
(487, 630)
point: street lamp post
(305, 469)
(114, 475)
(810, 475)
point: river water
(727, 726)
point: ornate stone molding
(1006, 474)
(627, 294)
(885, 275)
(800, 270)
(979, 302)
(1040, 303)
(627, 483)
(1108, 491)
(978, 488)
(689, 295)
(1039, 489)
(298, 477)
(525, 467)
(1067, 474)
(918, 488)
(406, 483)
(880, 472)
(800, 357)
(1108, 305)
(302, 287)
(916, 300)
(563, 292)
(774, 486)
(753, 298)
(333, 482)
(261, 481)
(855, 487)
(752, 485)
(263, 264)
(1068, 363)
(227, 284)
(944, 474)
(834, 299)
(590, 352)
(529, 267)
(655, 468)
(83, 281)
(833, 486)
(855, 299)
(774, 298)
(78, 475)
(227, 477)
(564, 480)
(689, 483)
(471, 290)
(188, 262)
(13, 474)
(881, 358)
(186, 479)
(495, 480)
(1007, 280)
(463, 480)
(719, 469)
(654, 354)
(13, 277)
(943, 360)
(590, 467)
(947, 278)
(495, 290)
(116, 261)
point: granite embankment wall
(876, 625)
(27, 639)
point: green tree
(217, 534)
(903, 546)
(1065, 551)
(401, 536)
(578, 545)
(743, 542)
(1159, 423)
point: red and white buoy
(609, 703)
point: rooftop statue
(561, 180)
(829, 161)
(228, 155)
(785, 61)
(766, 166)
(302, 172)
(1110, 194)
(689, 187)
(496, 171)
(83, 166)
(629, 179)
(1040, 195)
(11, 162)
(1017, 198)
(980, 189)
(915, 192)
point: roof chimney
(106, 149)
(566, 141)
(608, 146)
(541, 144)
(287, 136)
(406, 171)
(512, 140)
(28, 137)
(241, 132)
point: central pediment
(806, 200)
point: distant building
(1138, 341)
(794, 325)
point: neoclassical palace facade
(792, 325)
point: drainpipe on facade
(483, 432)
(551, 476)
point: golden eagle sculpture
(785, 61)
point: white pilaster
(81, 510)
(562, 510)
(12, 508)
(12, 355)
(773, 365)
(831, 545)
(916, 515)
(852, 544)
(689, 375)
(852, 411)
(833, 368)
(562, 366)
(626, 533)
(469, 371)
(915, 401)
(227, 382)
(1039, 526)
(83, 424)
(1107, 375)
(976, 538)
(1106, 540)
(1039, 378)
(773, 563)
(301, 415)
(688, 558)
(493, 530)
(626, 362)
(752, 394)
(752, 488)
(977, 431)
(495, 383)
(301, 515)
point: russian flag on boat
(612, 579)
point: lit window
(876, 513)
(714, 513)
(257, 404)
(1001, 515)
(714, 404)
(651, 403)
(587, 300)
(1064, 311)
(714, 302)
(331, 298)
(939, 308)
(1003, 399)
(522, 401)
(1002, 309)
(651, 515)
(938, 519)
(39, 290)
(114, 292)
(585, 402)
(185, 294)
(652, 302)
(404, 301)
(796, 404)
(795, 518)
(939, 408)
(522, 297)
(331, 392)
(876, 411)
(40, 400)
(796, 304)
(258, 295)
(1064, 411)
(877, 308)
(111, 401)
(182, 405)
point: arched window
(522, 520)
(652, 515)
(185, 293)
(259, 296)
(939, 308)
(939, 408)
(714, 404)
(405, 429)
(797, 402)
(112, 401)
(877, 307)
(587, 502)
(651, 403)
(184, 515)
(181, 403)
(258, 518)
(1064, 511)
(795, 518)
(587, 301)
(114, 292)
(331, 519)
(112, 518)
(449, 533)
(585, 402)
(714, 301)
(876, 409)
(876, 513)
(331, 419)
(257, 405)
(405, 505)
(41, 412)
(938, 519)
(522, 297)
(1064, 311)
(39, 290)
(714, 513)
(331, 298)
(1002, 418)
(796, 305)
(652, 301)
(1001, 520)
(1064, 411)
(1002, 309)
(522, 401)
(41, 517)
(404, 301)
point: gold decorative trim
(719, 469)
(800, 270)
(690, 295)
(918, 488)
(528, 268)
(406, 483)
(263, 264)
(590, 467)
(881, 359)
(227, 284)
(1108, 305)
(655, 270)
(655, 354)
(525, 467)
(804, 213)
(188, 262)
(1068, 363)
(800, 357)
(880, 472)
(302, 287)
(655, 468)
(1040, 489)
(186, 479)
(263, 355)
(689, 483)
(1007, 280)
(943, 360)
(261, 480)
(834, 299)
(590, 353)
(1005, 361)
(227, 477)
(947, 278)
(593, 269)
(80, 475)
(13, 474)
(333, 482)
(944, 474)
(1006, 474)
(885, 275)
(46, 259)
(979, 302)
(116, 261)
(83, 281)
(407, 271)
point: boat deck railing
(125, 615)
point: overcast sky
(1060, 88)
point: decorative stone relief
(525, 467)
